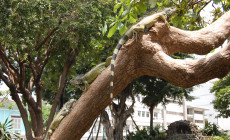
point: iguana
(83, 81)
(142, 26)
(61, 114)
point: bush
(220, 138)
(211, 130)
(147, 134)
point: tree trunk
(120, 113)
(107, 125)
(135, 124)
(151, 108)
(38, 113)
(150, 55)
(23, 113)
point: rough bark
(150, 55)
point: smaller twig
(99, 126)
(92, 128)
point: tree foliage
(211, 129)
(221, 102)
(5, 130)
(39, 42)
(157, 90)
(147, 134)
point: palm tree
(5, 133)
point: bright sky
(3, 87)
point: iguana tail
(122, 41)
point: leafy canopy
(221, 103)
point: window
(16, 123)
(139, 113)
(147, 114)
(143, 113)
(198, 121)
(198, 112)
(155, 115)
(189, 111)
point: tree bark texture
(149, 54)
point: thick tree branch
(46, 38)
(22, 110)
(12, 71)
(6, 61)
(5, 79)
(10, 81)
(150, 55)
(187, 73)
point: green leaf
(120, 25)
(159, 4)
(141, 7)
(112, 30)
(118, 5)
(104, 30)
(126, 12)
(122, 30)
(217, 1)
(132, 18)
(152, 3)
(121, 10)
(124, 18)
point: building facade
(13, 114)
(162, 116)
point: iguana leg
(86, 85)
(108, 61)
(135, 34)
(164, 19)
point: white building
(163, 116)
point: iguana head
(70, 103)
(78, 82)
(169, 12)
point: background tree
(221, 102)
(156, 90)
(39, 42)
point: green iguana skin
(83, 81)
(61, 114)
(142, 26)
